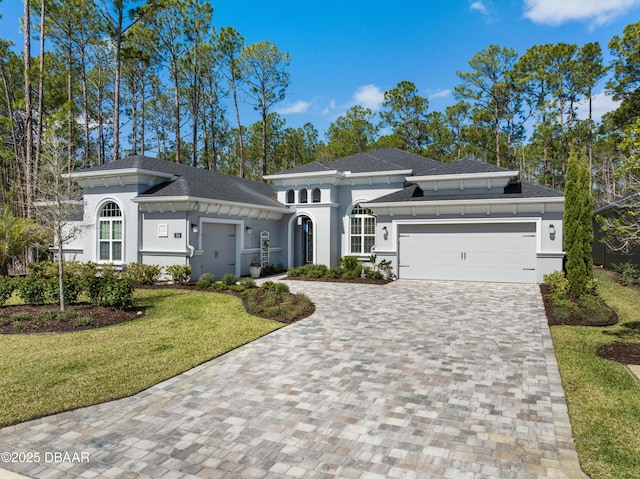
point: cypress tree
(578, 226)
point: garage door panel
(501, 252)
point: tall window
(110, 231)
(303, 196)
(315, 195)
(363, 230)
(291, 196)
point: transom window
(303, 196)
(362, 230)
(291, 196)
(110, 233)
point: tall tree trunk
(70, 119)
(40, 126)
(240, 143)
(134, 120)
(176, 106)
(116, 89)
(28, 126)
(85, 109)
(264, 143)
(590, 145)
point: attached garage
(493, 252)
(219, 248)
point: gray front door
(219, 249)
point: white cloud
(440, 94)
(300, 106)
(479, 7)
(556, 12)
(601, 104)
(330, 108)
(369, 96)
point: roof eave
(491, 201)
(197, 199)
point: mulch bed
(100, 317)
(573, 320)
(625, 353)
(340, 280)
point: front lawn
(49, 373)
(602, 395)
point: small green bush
(33, 290)
(557, 283)
(247, 283)
(628, 271)
(114, 291)
(281, 288)
(268, 286)
(44, 316)
(206, 280)
(564, 309)
(143, 274)
(229, 279)
(18, 317)
(73, 286)
(43, 269)
(316, 270)
(349, 274)
(349, 262)
(270, 269)
(295, 272)
(180, 273)
(7, 286)
(237, 288)
(335, 272)
(373, 274)
(219, 287)
(83, 321)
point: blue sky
(348, 52)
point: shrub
(206, 280)
(628, 271)
(268, 286)
(43, 269)
(7, 285)
(557, 283)
(349, 274)
(229, 279)
(83, 321)
(349, 262)
(114, 291)
(295, 272)
(373, 274)
(179, 273)
(248, 283)
(592, 286)
(281, 288)
(33, 290)
(335, 272)
(143, 274)
(316, 270)
(237, 288)
(270, 269)
(19, 317)
(73, 286)
(219, 287)
(564, 309)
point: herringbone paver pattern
(409, 380)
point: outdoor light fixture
(385, 232)
(552, 231)
(194, 227)
(248, 229)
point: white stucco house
(459, 221)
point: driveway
(414, 379)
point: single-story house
(460, 221)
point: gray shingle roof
(411, 193)
(312, 167)
(196, 182)
(466, 165)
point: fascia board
(488, 201)
(462, 176)
(119, 172)
(366, 174)
(310, 174)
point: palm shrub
(350, 263)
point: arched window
(291, 196)
(303, 196)
(110, 233)
(315, 195)
(362, 230)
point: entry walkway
(408, 380)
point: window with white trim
(110, 233)
(362, 232)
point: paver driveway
(413, 379)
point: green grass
(45, 374)
(602, 395)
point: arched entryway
(302, 241)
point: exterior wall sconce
(248, 230)
(385, 232)
(552, 232)
(194, 228)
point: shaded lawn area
(603, 396)
(48, 373)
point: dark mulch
(99, 316)
(340, 280)
(573, 320)
(625, 353)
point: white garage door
(496, 252)
(219, 245)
